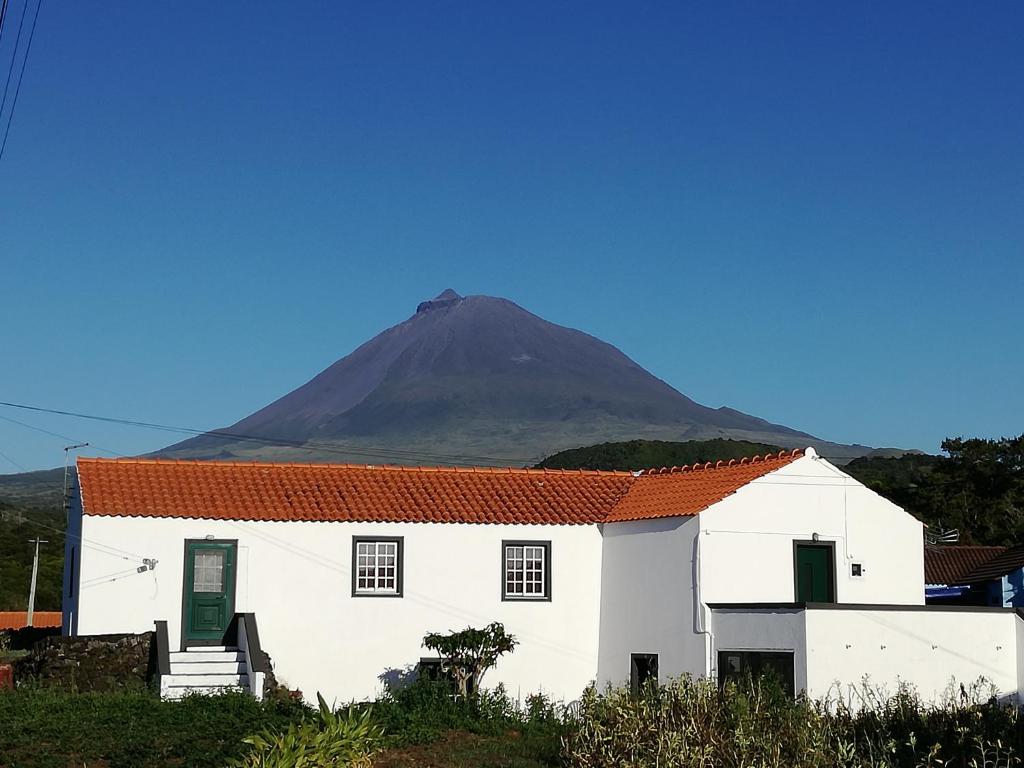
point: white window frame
(519, 570)
(372, 575)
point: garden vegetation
(688, 723)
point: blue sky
(810, 212)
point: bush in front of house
(426, 709)
(331, 739)
(691, 722)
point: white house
(782, 561)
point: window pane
(208, 571)
(377, 566)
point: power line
(3, 15)
(335, 448)
(12, 461)
(14, 55)
(21, 75)
(57, 435)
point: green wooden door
(815, 573)
(209, 598)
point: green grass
(47, 728)
(52, 728)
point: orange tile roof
(348, 492)
(19, 619)
(683, 491)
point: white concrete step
(173, 693)
(207, 667)
(174, 680)
(210, 648)
(205, 657)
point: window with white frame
(377, 566)
(526, 570)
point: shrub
(691, 723)
(423, 711)
(330, 740)
(466, 655)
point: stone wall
(91, 663)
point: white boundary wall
(933, 650)
(296, 578)
(849, 653)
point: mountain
(478, 379)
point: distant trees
(644, 454)
(978, 487)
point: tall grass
(692, 723)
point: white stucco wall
(933, 650)
(647, 599)
(746, 540)
(296, 578)
(853, 654)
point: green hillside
(644, 454)
(18, 525)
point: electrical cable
(14, 55)
(21, 75)
(371, 451)
(3, 16)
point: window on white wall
(526, 570)
(377, 566)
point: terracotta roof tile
(348, 492)
(1000, 564)
(687, 490)
(19, 619)
(951, 565)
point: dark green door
(209, 591)
(815, 573)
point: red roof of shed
(19, 619)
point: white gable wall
(296, 578)
(746, 541)
(647, 599)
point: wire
(99, 546)
(3, 15)
(14, 56)
(12, 461)
(21, 74)
(375, 452)
(58, 435)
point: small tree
(467, 654)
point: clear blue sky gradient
(810, 212)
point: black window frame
(651, 662)
(757, 669)
(546, 597)
(399, 563)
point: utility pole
(67, 454)
(35, 574)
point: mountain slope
(477, 378)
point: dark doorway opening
(643, 667)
